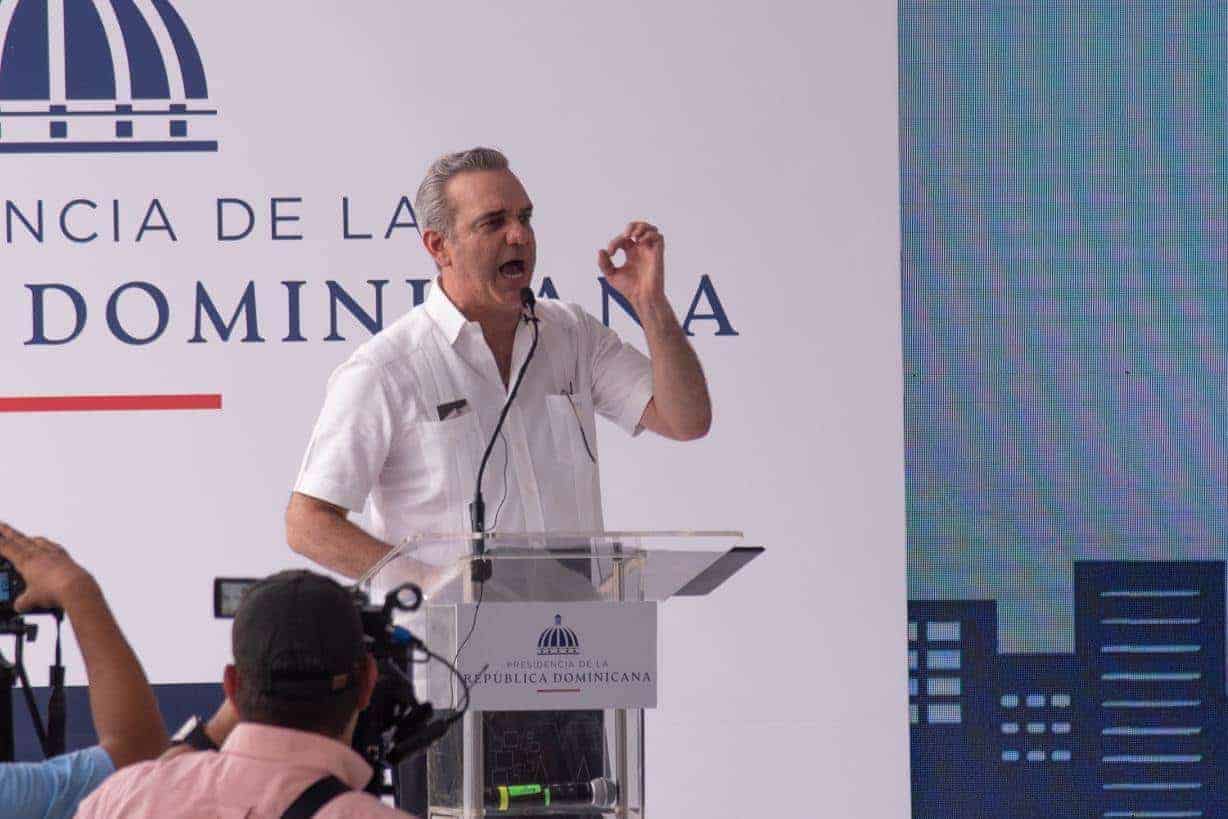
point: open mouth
(512, 269)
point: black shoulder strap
(315, 797)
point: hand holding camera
(37, 575)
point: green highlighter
(600, 793)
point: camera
(12, 584)
(13, 674)
(228, 593)
(395, 725)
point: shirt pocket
(450, 453)
(573, 428)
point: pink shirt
(257, 774)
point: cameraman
(126, 715)
(300, 677)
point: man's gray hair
(434, 211)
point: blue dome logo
(100, 76)
(558, 639)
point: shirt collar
(300, 748)
(444, 313)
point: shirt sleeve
(622, 377)
(351, 438)
(52, 789)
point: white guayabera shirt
(407, 417)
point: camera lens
(408, 597)
(11, 586)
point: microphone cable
(477, 509)
(481, 569)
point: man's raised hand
(52, 577)
(641, 277)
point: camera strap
(315, 797)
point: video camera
(52, 737)
(12, 584)
(395, 725)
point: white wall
(762, 138)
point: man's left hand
(52, 578)
(641, 277)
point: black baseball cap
(298, 635)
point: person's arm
(218, 728)
(222, 723)
(55, 786)
(349, 446)
(125, 712)
(323, 533)
(680, 408)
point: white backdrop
(761, 138)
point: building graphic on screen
(1131, 724)
(100, 76)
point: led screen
(1064, 231)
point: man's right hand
(52, 579)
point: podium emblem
(558, 639)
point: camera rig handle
(52, 738)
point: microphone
(597, 793)
(477, 509)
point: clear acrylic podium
(606, 573)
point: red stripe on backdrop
(110, 403)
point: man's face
(492, 250)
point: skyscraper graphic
(1150, 642)
(951, 650)
(100, 76)
(1037, 771)
(1130, 725)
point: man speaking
(408, 417)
